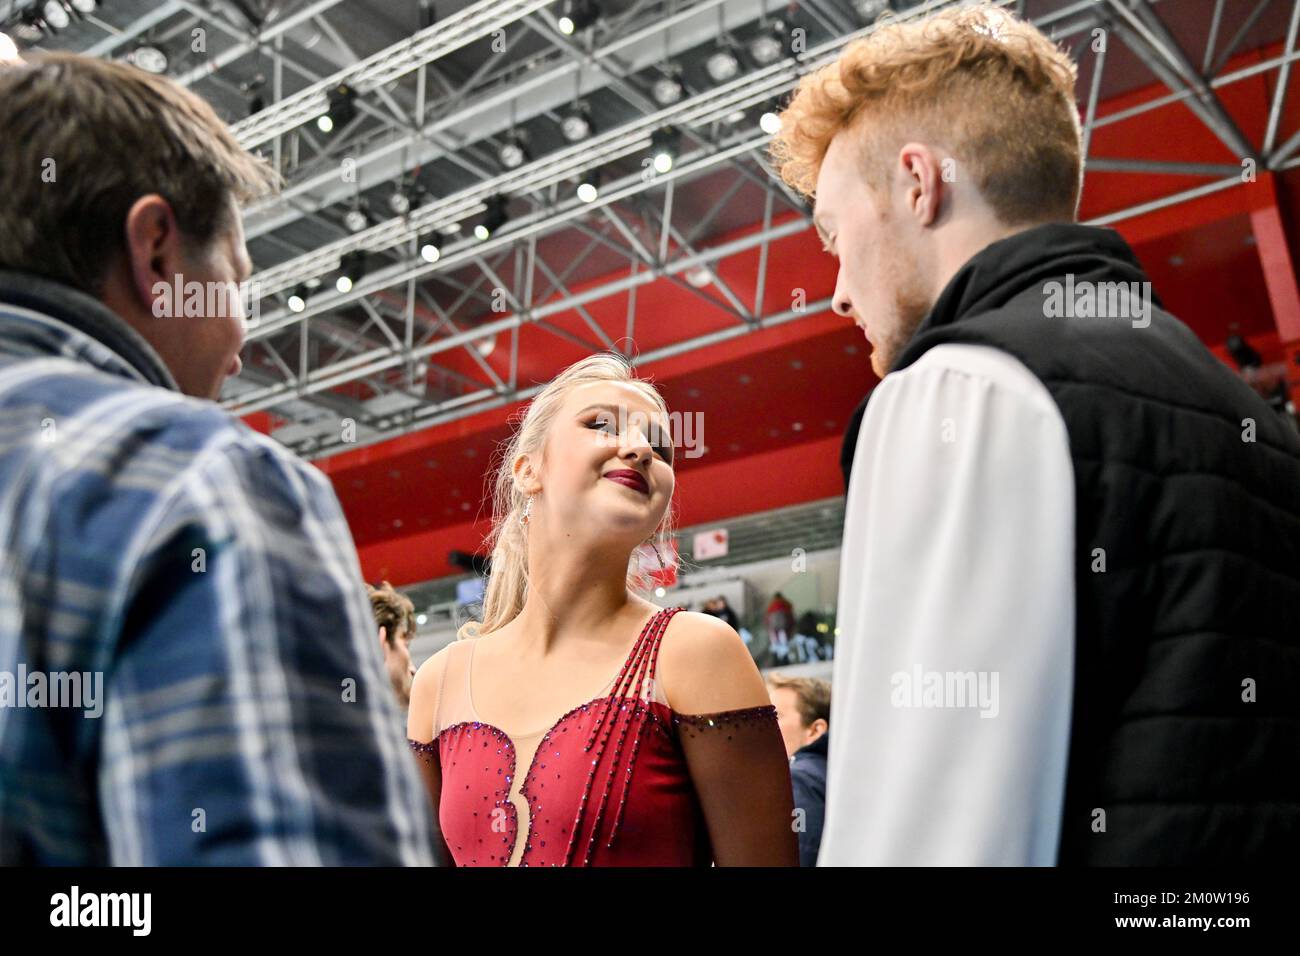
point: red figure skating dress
(616, 781)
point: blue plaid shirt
(204, 578)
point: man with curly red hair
(1071, 532)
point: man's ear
(383, 636)
(154, 251)
(922, 181)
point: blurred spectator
(395, 616)
(719, 607)
(780, 627)
(803, 712)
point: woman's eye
(606, 423)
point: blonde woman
(579, 724)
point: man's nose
(840, 303)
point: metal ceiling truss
(530, 179)
(383, 337)
(1136, 24)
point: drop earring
(662, 566)
(528, 510)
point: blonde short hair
(84, 138)
(812, 695)
(990, 88)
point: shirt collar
(91, 331)
(1004, 269)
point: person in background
(395, 616)
(152, 544)
(780, 627)
(719, 608)
(803, 711)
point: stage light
(576, 123)
(663, 149)
(576, 15)
(399, 202)
(589, 187)
(770, 44)
(297, 300)
(723, 64)
(514, 152)
(769, 122)
(55, 15)
(493, 220)
(30, 28)
(8, 49)
(149, 57)
(667, 90)
(428, 14)
(351, 268)
(357, 218)
(870, 10)
(84, 6)
(342, 109)
(431, 248)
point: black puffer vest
(1185, 740)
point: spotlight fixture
(494, 220)
(341, 110)
(723, 64)
(589, 186)
(30, 28)
(870, 10)
(399, 202)
(253, 90)
(149, 57)
(770, 122)
(358, 217)
(428, 15)
(576, 15)
(297, 300)
(576, 123)
(431, 247)
(667, 90)
(663, 149)
(351, 268)
(514, 152)
(770, 44)
(55, 14)
(84, 6)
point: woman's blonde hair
(507, 585)
(990, 87)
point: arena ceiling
(709, 275)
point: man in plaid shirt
(188, 673)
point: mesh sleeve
(426, 760)
(741, 774)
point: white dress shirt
(954, 667)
